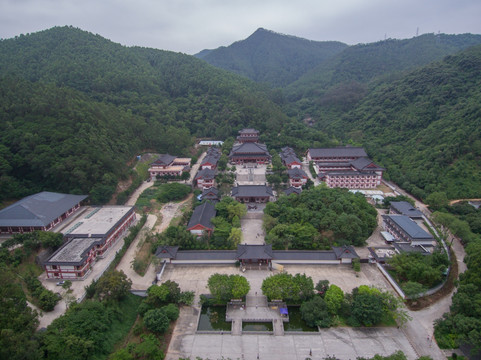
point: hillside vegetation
(75, 107)
(425, 128)
(272, 58)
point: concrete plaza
(345, 343)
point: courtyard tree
(367, 309)
(240, 286)
(315, 313)
(334, 297)
(225, 287)
(284, 286)
(306, 286)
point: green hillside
(426, 127)
(340, 82)
(75, 107)
(272, 58)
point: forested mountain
(338, 83)
(272, 58)
(425, 128)
(74, 107)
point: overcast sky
(192, 25)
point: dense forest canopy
(75, 107)
(425, 128)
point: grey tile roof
(345, 252)
(288, 156)
(405, 208)
(206, 174)
(202, 215)
(365, 164)
(38, 209)
(344, 173)
(246, 252)
(303, 255)
(206, 255)
(296, 173)
(406, 247)
(409, 226)
(166, 252)
(343, 151)
(164, 160)
(248, 131)
(249, 148)
(292, 190)
(210, 192)
(252, 191)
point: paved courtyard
(345, 343)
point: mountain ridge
(271, 57)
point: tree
(235, 236)
(334, 297)
(412, 289)
(173, 289)
(306, 286)
(157, 295)
(437, 200)
(156, 321)
(315, 313)
(17, 320)
(281, 287)
(113, 285)
(367, 309)
(222, 162)
(322, 286)
(240, 286)
(225, 287)
(220, 287)
(66, 285)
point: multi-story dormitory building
(345, 167)
(87, 239)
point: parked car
(60, 283)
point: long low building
(42, 211)
(405, 229)
(89, 238)
(256, 254)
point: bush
(47, 300)
(172, 311)
(143, 308)
(186, 297)
(156, 321)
